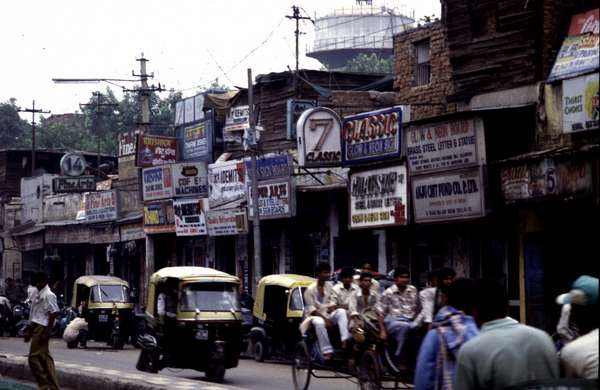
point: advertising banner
(587, 22)
(270, 167)
(190, 179)
(226, 184)
(372, 136)
(101, 206)
(581, 104)
(127, 144)
(578, 55)
(275, 200)
(237, 119)
(155, 150)
(227, 222)
(157, 183)
(66, 184)
(159, 217)
(378, 197)
(190, 217)
(196, 140)
(318, 137)
(441, 146)
(448, 196)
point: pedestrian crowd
(470, 341)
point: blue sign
(372, 136)
(271, 167)
(196, 139)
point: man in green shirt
(505, 352)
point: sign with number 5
(318, 134)
(72, 164)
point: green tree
(14, 131)
(370, 63)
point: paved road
(249, 375)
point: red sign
(155, 150)
(587, 22)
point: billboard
(226, 184)
(318, 137)
(190, 216)
(155, 150)
(157, 183)
(190, 179)
(227, 222)
(101, 206)
(581, 104)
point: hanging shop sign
(295, 108)
(190, 216)
(196, 140)
(157, 182)
(371, 136)
(127, 146)
(581, 104)
(226, 184)
(448, 196)
(227, 222)
(72, 164)
(378, 197)
(132, 232)
(546, 178)
(238, 119)
(155, 150)
(318, 136)
(101, 206)
(578, 55)
(190, 179)
(587, 22)
(276, 199)
(270, 167)
(159, 217)
(73, 184)
(189, 110)
(442, 146)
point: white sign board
(190, 179)
(319, 143)
(237, 119)
(101, 206)
(378, 197)
(72, 164)
(275, 200)
(227, 222)
(157, 182)
(190, 217)
(581, 104)
(442, 146)
(226, 184)
(448, 196)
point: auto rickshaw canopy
(286, 281)
(97, 280)
(196, 274)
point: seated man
(316, 308)
(398, 306)
(367, 267)
(341, 295)
(364, 299)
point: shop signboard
(127, 146)
(546, 178)
(578, 55)
(270, 167)
(227, 222)
(238, 119)
(318, 137)
(159, 217)
(442, 146)
(101, 206)
(581, 104)
(132, 232)
(155, 150)
(372, 136)
(587, 22)
(190, 179)
(226, 184)
(67, 184)
(190, 216)
(378, 197)
(448, 196)
(276, 199)
(295, 108)
(196, 140)
(157, 182)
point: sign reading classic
(318, 135)
(371, 136)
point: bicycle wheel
(369, 372)
(301, 367)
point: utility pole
(254, 188)
(297, 17)
(98, 112)
(145, 91)
(33, 111)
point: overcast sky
(185, 41)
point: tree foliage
(370, 63)
(14, 131)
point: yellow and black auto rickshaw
(193, 320)
(104, 302)
(278, 312)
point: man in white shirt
(44, 310)
(579, 358)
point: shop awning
(26, 231)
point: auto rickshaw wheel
(369, 372)
(301, 367)
(216, 373)
(72, 344)
(147, 362)
(259, 351)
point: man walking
(44, 310)
(506, 352)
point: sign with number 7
(318, 135)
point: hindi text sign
(190, 216)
